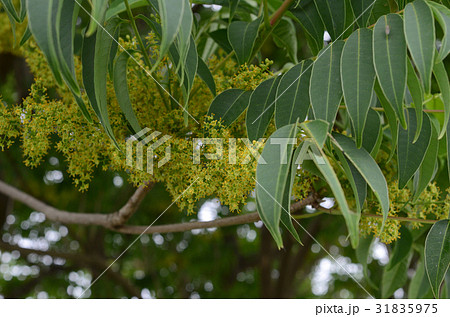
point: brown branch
(106, 220)
(116, 220)
(279, 13)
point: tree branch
(115, 221)
(106, 220)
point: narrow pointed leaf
(118, 7)
(98, 13)
(362, 253)
(242, 37)
(286, 218)
(443, 81)
(373, 133)
(362, 10)
(229, 105)
(271, 179)
(121, 90)
(442, 15)
(261, 108)
(87, 61)
(333, 14)
(318, 130)
(205, 74)
(357, 182)
(284, 36)
(39, 19)
(390, 116)
(292, 101)
(351, 218)
(358, 77)
(325, 87)
(420, 36)
(425, 173)
(411, 155)
(420, 287)
(307, 15)
(389, 56)
(171, 14)
(11, 10)
(415, 89)
(395, 274)
(368, 169)
(437, 254)
(183, 39)
(221, 38)
(102, 50)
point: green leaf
(333, 14)
(11, 10)
(426, 171)
(325, 87)
(389, 57)
(442, 15)
(420, 36)
(419, 287)
(362, 9)
(261, 108)
(442, 79)
(98, 13)
(437, 254)
(373, 133)
(121, 90)
(401, 248)
(395, 274)
(307, 15)
(351, 218)
(411, 155)
(357, 182)
(284, 36)
(292, 101)
(171, 13)
(358, 77)
(205, 74)
(317, 129)
(229, 105)
(221, 38)
(242, 37)
(87, 62)
(368, 169)
(26, 36)
(118, 7)
(40, 23)
(183, 39)
(271, 179)
(103, 44)
(362, 253)
(286, 218)
(233, 6)
(415, 89)
(390, 116)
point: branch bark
(115, 221)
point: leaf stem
(280, 12)
(143, 50)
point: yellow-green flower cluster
(49, 118)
